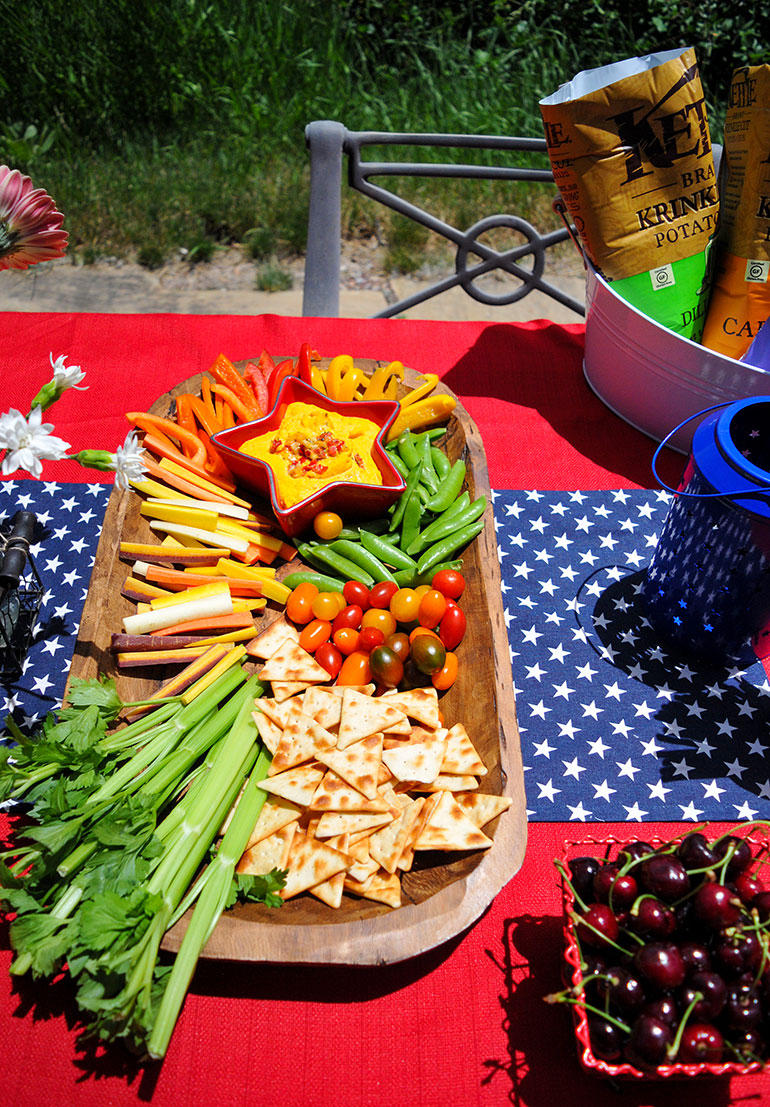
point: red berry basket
(602, 847)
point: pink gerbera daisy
(30, 225)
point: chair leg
(321, 295)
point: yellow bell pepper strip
(349, 385)
(423, 390)
(338, 366)
(424, 413)
(317, 379)
(383, 383)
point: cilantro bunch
(120, 838)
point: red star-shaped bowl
(347, 498)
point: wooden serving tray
(447, 892)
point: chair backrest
(329, 141)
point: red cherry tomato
(432, 608)
(314, 633)
(445, 677)
(381, 594)
(369, 638)
(346, 640)
(356, 593)
(349, 617)
(330, 658)
(449, 583)
(387, 668)
(355, 669)
(399, 643)
(299, 606)
(451, 629)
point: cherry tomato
(404, 605)
(423, 631)
(369, 638)
(348, 617)
(299, 606)
(452, 627)
(381, 618)
(387, 668)
(356, 593)
(355, 669)
(327, 525)
(413, 678)
(326, 606)
(445, 677)
(329, 657)
(380, 595)
(399, 643)
(346, 640)
(314, 633)
(449, 582)
(421, 589)
(428, 653)
(432, 608)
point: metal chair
(328, 141)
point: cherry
(661, 964)
(648, 1041)
(606, 1039)
(634, 851)
(598, 927)
(663, 1008)
(652, 919)
(762, 904)
(743, 1007)
(665, 876)
(695, 956)
(582, 873)
(741, 854)
(735, 953)
(712, 988)
(748, 887)
(695, 852)
(623, 990)
(701, 1042)
(619, 890)
(748, 1044)
(716, 906)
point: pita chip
(335, 794)
(387, 844)
(302, 739)
(285, 689)
(481, 808)
(364, 689)
(269, 732)
(266, 643)
(450, 782)
(269, 853)
(310, 863)
(332, 823)
(279, 713)
(358, 764)
(322, 705)
(420, 704)
(461, 755)
(363, 716)
(419, 762)
(449, 828)
(275, 814)
(291, 663)
(297, 785)
(330, 891)
(382, 887)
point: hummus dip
(312, 448)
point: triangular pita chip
(481, 808)
(387, 844)
(269, 853)
(382, 887)
(297, 785)
(335, 794)
(311, 862)
(364, 689)
(266, 643)
(302, 739)
(332, 823)
(358, 764)
(276, 813)
(291, 662)
(285, 689)
(269, 732)
(461, 755)
(418, 761)
(449, 782)
(322, 705)
(330, 891)
(363, 716)
(449, 828)
(420, 704)
(279, 713)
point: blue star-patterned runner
(616, 722)
(69, 522)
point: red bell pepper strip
(282, 371)
(255, 379)
(304, 363)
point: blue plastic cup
(707, 587)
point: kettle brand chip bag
(631, 154)
(740, 297)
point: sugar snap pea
(366, 562)
(322, 582)
(406, 448)
(412, 482)
(429, 478)
(386, 551)
(410, 524)
(449, 488)
(398, 463)
(441, 462)
(327, 558)
(459, 514)
(446, 547)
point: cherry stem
(579, 1001)
(673, 1049)
(579, 919)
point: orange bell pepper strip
(185, 420)
(207, 399)
(205, 416)
(148, 423)
(162, 447)
(224, 372)
(353, 377)
(246, 412)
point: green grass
(168, 125)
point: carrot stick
(176, 580)
(247, 412)
(218, 622)
(152, 443)
(147, 422)
(174, 480)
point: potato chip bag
(740, 297)
(631, 154)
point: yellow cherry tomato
(327, 525)
(326, 606)
(381, 618)
(405, 604)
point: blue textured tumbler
(707, 587)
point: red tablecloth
(466, 1024)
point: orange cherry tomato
(314, 633)
(445, 677)
(299, 606)
(432, 608)
(355, 669)
(346, 640)
(404, 605)
(326, 606)
(381, 618)
(421, 589)
(327, 525)
(422, 630)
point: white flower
(66, 376)
(128, 462)
(27, 442)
